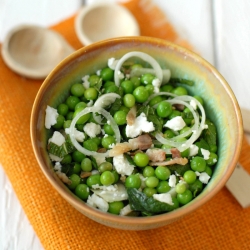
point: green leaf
(116, 105)
(210, 134)
(181, 80)
(179, 169)
(140, 202)
(130, 160)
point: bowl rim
(133, 221)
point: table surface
(218, 30)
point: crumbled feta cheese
(85, 82)
(193, 150)
(126, 210)
(112, 63)
(98, 202)
(165, 197)
(172, 180)
(79, 136)
(57, 138)
(204, 177)
(214, 160)
(176, 123)
(205, 153)
(55, 158)
(107, 188)
(122, 165)
(120, 75)
(205, 126)
(98, 72)
(193, 104)
(92, 129)
(99, 159)
(140, 125)
(51, 115)
(111, 145)
(58, 166)
(156, 83)
(93, 172)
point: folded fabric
(220, 224)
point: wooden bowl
(220, 104)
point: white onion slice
(140, 71)
(84, 112)
(155, 65)
(102, 102)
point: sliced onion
(102, 102)
(107, 116)
(157, 94)
(140, 71)
(155, 65)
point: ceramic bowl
(220, 104)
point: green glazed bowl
(220, 104)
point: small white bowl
(101, 21)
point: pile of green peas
(151, 180)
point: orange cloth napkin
(219, 224)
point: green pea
(107, 141)
(198, 98)
(152, 181)
(120, 117)
(115, 207)
(212, 159)
(108, 83)
(147, 78)
(127, 86)
(148, 171)
(82, 191)
(86, 165)
(70, 115)
(116, 175)
(80, 105)
(180, 188)
(75, 180)
(90, 145)
(76, 168)
(105, 166)
(71, 101)
(62, 109)
(124, 108)
(169, 134)
(108, 129)
(107, 74)
(162, 173)
(91, 94)
(149, 191)
(59, 122)
(93, 180)
(174, 114)
(107, 178)
(164, 109)
(179, 91)
(189, 176)
(93, 80)
(133, 181)
(111, 89)
(77, 89)
(198, 164)
(66, 159)
(67, 124)
(78, 156)
(141, 159)
(163, 187)
(136, 81)
(141, 94)
(84, 118)
(185, 197)
(155, 100)
(166, 88)
(129, 100)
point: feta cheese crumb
(205, 153)
(122, 165)
(111, 145)
(99, 159)
(79, 136)
(112, 63)
(193, 104)
(165, 197)
(92, 129)
(85, 82)
(58, 167)
(176, 123)
(172, 180)
(55, 158)
(156, 83)
(51, 115)
(193, 150)
(98, 72)
(98, 202)
(120, 75)
(205, 126)
(57, 138)
(126, 210)
(204, 177)
(140, 125)
(214, 160)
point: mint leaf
(210, 134)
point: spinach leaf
(210, 133)
(141, 202)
